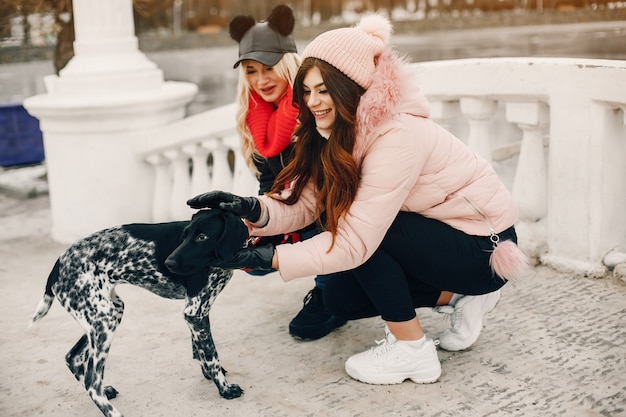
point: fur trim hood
(393, 90)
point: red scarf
(271, 127)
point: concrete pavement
(554, 346)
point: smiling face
(319, 102)
(265, 81)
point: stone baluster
(244, 181)
(200, 175)
(181, 184)
(530, 185)
(162, 188)
(221, 178)
(479, 111)
(443, 112)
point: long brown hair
(328, 164)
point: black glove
(251, 258)
(247, 207)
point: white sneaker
(467, 320)
(391, 363)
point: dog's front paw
(231, 391)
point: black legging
(418, 258)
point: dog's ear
(233, 236)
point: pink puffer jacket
(408, 163)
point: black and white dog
(173, 260)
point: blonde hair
(286, 68)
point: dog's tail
(48, 296)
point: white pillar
(530, 185)
(574, 183)
(106, 54)
(90, 115)
(444, 111)
(479, 112)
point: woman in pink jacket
(412, 217)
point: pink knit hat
(354, 50)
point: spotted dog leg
(198, 321)
(77, 357)
(87, 369)
(87, 358)
(109, 391)
(119, 306)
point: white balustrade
(554, 130)
(572, 202)
(561, 151)
(192, 156)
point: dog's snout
(171, 264)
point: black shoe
(314, 321)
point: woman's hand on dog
(248, 208)
(254, 258)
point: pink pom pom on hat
(354, 50)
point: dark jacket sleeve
(270, 167)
